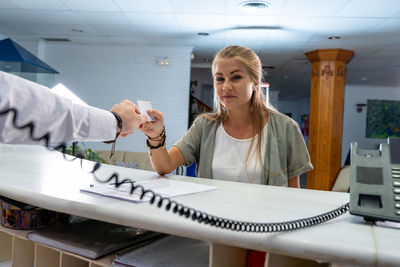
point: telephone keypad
(396, 183)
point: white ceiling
(280, 35)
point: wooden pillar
(328, 77)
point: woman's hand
(153, 129)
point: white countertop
(40, 177)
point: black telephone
(375, 182)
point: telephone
(375, 182)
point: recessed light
(77, 30)
(334, 37)
(254, 5)
(203, 33)
(364, 78)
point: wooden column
(328, 77)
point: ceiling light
(203, 33)
(77, 30)
(334, 37)
(364, 78)
(254, 5)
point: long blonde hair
(258, 107)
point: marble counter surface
(41, 177)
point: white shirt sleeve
(50, 113)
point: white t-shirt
(230, 155)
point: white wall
(354, 123)
(103, 75)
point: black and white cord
(182, 210)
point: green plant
(89, 154)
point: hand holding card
(144, 106)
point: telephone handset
(185, 211)
(375, 182)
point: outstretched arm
(51, 113)
(163, 161)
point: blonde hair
(258, 107)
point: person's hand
(153, 129)
(130, 115)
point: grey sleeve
(190, 143)
(298, 159)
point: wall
(103, 75)
(354, 123)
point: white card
(144, 106)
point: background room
(113, 50)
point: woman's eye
(219, 79)
(236, 77)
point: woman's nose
(227, 86)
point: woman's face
(233, 84)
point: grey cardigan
(285, 156)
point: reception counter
(40, 177)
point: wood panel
(328, 77)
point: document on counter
(162, 186)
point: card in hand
(144, 106)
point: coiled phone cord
(182, 210)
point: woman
(243, 140)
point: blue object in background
(10, 51)
(191, 170)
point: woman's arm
(163, 161)
(294, 182)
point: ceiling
(280, 34)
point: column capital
(336, 54)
